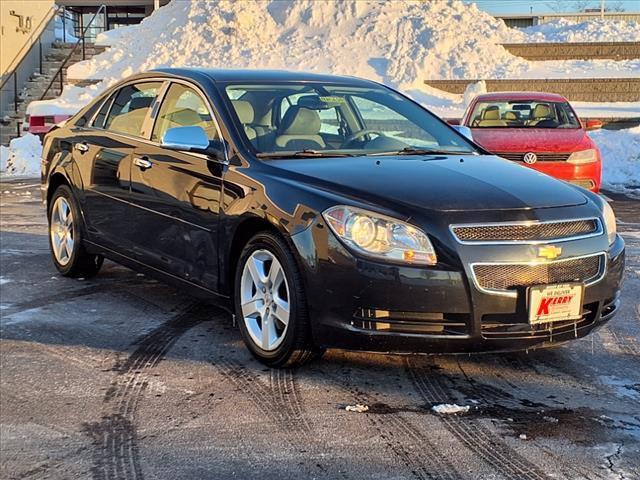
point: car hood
(446, 183)
(530, 139)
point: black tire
(80, 262)
(296, 347)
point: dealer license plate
(555, 303)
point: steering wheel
(361, 133)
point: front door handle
(142, 163)
(81, 147)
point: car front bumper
(587, 175)
(358, 304)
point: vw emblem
(530, 158)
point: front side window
(183, 107)
(131, 106)
(523, 114)
(323, 119)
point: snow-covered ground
(21, 157)
(620, 151)
(398, 43)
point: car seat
(491, 117)
(300, 129)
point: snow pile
(596, 30)
(398, 43)
(620, 151)
(22, 157)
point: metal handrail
(29, 45)
(64, 63)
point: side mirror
(453, 121)
(593, 125)
(191, 139)
(464, 131)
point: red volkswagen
(541, 130)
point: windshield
(523, 114)
(313, 119)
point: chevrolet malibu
(327, 211)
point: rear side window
(98, 122)
(183, 107)
(130, 107)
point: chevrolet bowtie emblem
(549, 252)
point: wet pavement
(122, 377)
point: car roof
(542, 96)
(252, 75)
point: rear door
(104, 151)
(176, 194)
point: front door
(175, 195)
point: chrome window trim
(599, 231)
(514, 294)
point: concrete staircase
(35, 87)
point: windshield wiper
(306, 153)
(422, 151)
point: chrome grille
(542, 156)
(526, 232)
(511, 276)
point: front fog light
(379, 236)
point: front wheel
(65, 237)
(270, 303)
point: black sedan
(327, 211)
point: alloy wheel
(264, 299)
(61, 231)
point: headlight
(375, 235)
(583, 156)
(609, 221)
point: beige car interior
(174, 115)
(131, 121)
(300, 129)
(541, 112)
(490, 117)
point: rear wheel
(270, 303)
(65, 237)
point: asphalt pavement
(122, 377)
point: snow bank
(620, 151)
(397, 43)
(22, 157)
(596, 30)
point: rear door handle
(81, 147)
(142, 163)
